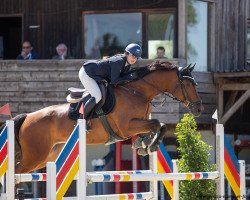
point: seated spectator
(27, 52)
(160, 52)
(62, 54)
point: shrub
(194, 157)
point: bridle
(187, 100)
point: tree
(194, 158)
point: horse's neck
(155, 83)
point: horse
(42, 134)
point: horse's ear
(184, 69)
(191, 68)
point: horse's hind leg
(56, 150)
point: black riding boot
(89, 105)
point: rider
(113, 70)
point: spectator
(160, 52)
(27, 52)
(62, 52)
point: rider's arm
(126, 78)
(117, 71)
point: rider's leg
(91, 86)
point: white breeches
(90, 85)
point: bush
(194, 158)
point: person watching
(27, 52)
(160, 52)
(62, 52)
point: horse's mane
(160, 64)
(154, 66)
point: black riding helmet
(134, 49)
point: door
(10, 37)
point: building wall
(32, 85)
(230, 35)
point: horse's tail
(18, 121)
(1, 127)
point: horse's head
(185, 90)
(177, 81)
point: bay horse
(42, 134)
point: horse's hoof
(142, 152)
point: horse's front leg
(147, 130)
(156, 143)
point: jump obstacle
(71, 163)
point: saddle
(77, 97)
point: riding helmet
(134, 49)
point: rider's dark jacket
(111, 69)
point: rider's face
(131, 59)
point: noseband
(187, 100)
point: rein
(165, 94)
(133, 92)
(187, 102)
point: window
(108, 34)
(161, 32)
(197, 34)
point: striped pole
(39, 177)
(131, 196)
(165, 165)
(93, 177)
(33, 177)
(67, 164)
